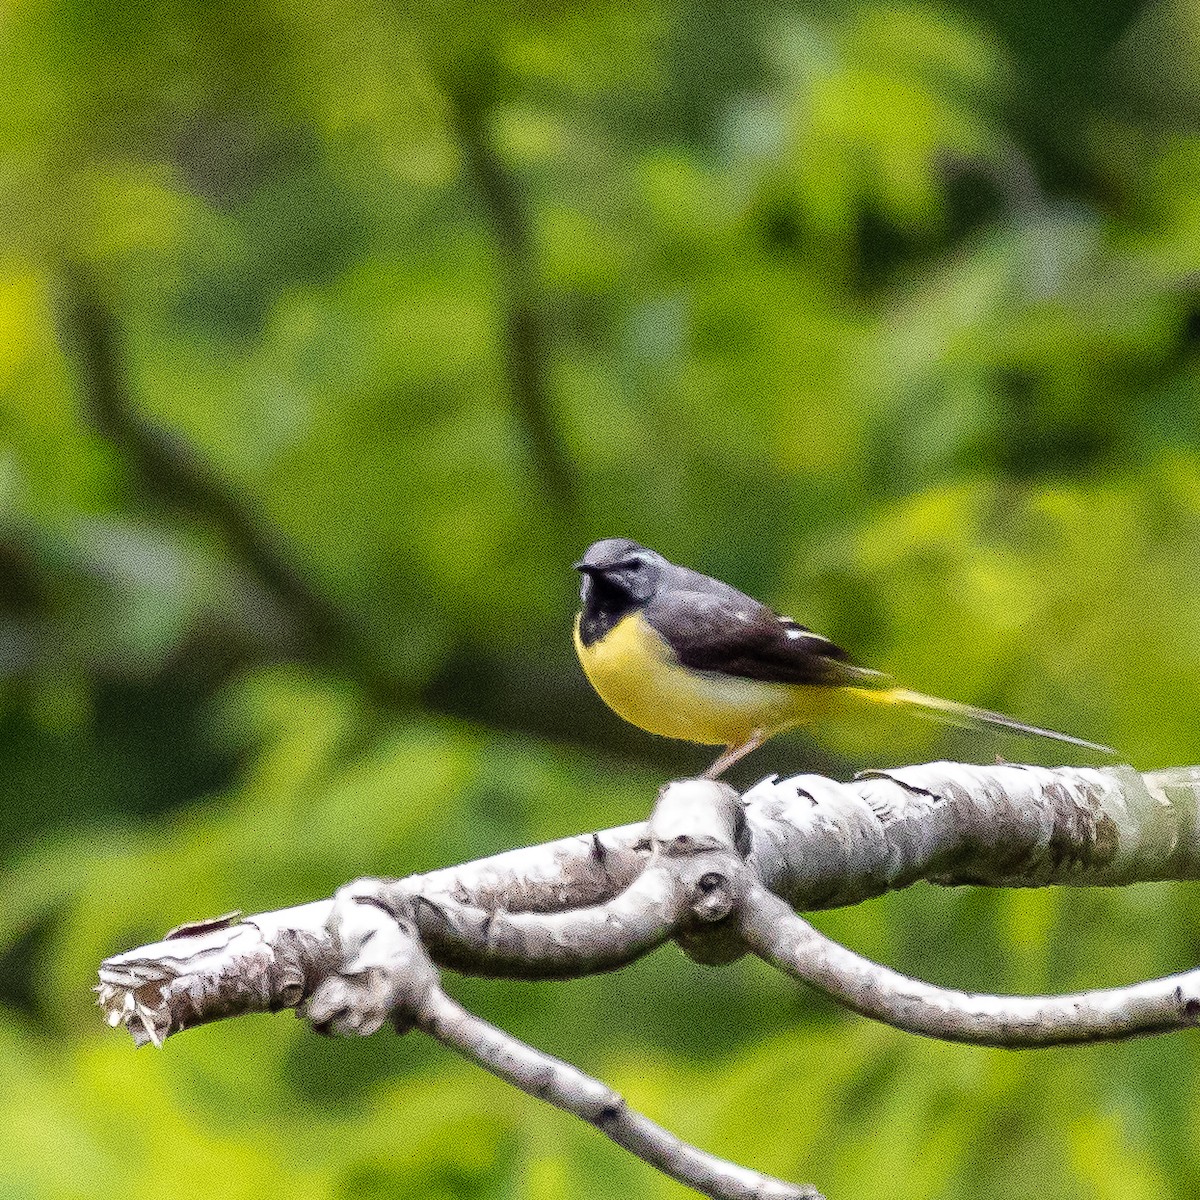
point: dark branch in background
(171, 470)
(167, 467)
(526, 339)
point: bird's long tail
(954, 713)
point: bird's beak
(585, 568)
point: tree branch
(572, 872)
(822, 844)
(568, 1088)
(363, 959)
(526, 342)
(172, 471)
(787, 941)
(719, 874)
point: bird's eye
(635, 562)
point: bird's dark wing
(733, 634)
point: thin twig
(790, 943)
(566, 1087)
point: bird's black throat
(603, 606)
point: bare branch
(789, 942)
(361, 960)
(209, 970)
(590, 903)
(568, 1088)
(265, 963)
(822, 844)
(385, 972)
(563, 945)
(720, 875)
(572, 872)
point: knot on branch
(697, 829)
(384, 972)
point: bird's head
(619, 572)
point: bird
(686, 656)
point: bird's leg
(732, 754)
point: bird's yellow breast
(639, 678)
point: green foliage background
(330, 334)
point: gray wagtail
(686, 656)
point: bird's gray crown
(609, 552)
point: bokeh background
(331, 334)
